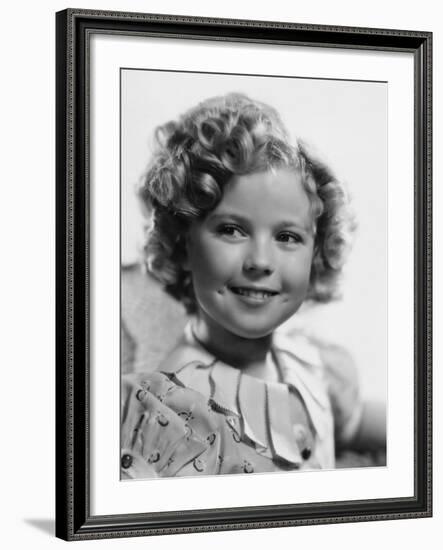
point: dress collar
(262, 408)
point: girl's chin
(254, 328)
(249, 333)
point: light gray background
(28, 283)
(347, 122)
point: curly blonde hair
(197, 155)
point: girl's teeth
(253, 293)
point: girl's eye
(230, 231)
(290, 238)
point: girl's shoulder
(186, 353)
(317, 355)
(191, 366)
(299, 345)
(334, 365)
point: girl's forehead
(274, 194)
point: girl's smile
(250, 258)
(253, 295)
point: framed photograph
(243, 274)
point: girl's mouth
(253, 294)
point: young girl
(244, 228)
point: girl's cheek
(298, 269)
(213, 260)
(221, 252)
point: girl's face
(251, 256)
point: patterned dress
(204, 417)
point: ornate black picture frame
(75, 28)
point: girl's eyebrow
(223, 215)
(285, 224)
(220, 216)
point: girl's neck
(251, 356)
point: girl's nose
(259, 259)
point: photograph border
(74, 28)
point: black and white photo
(254, 274)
